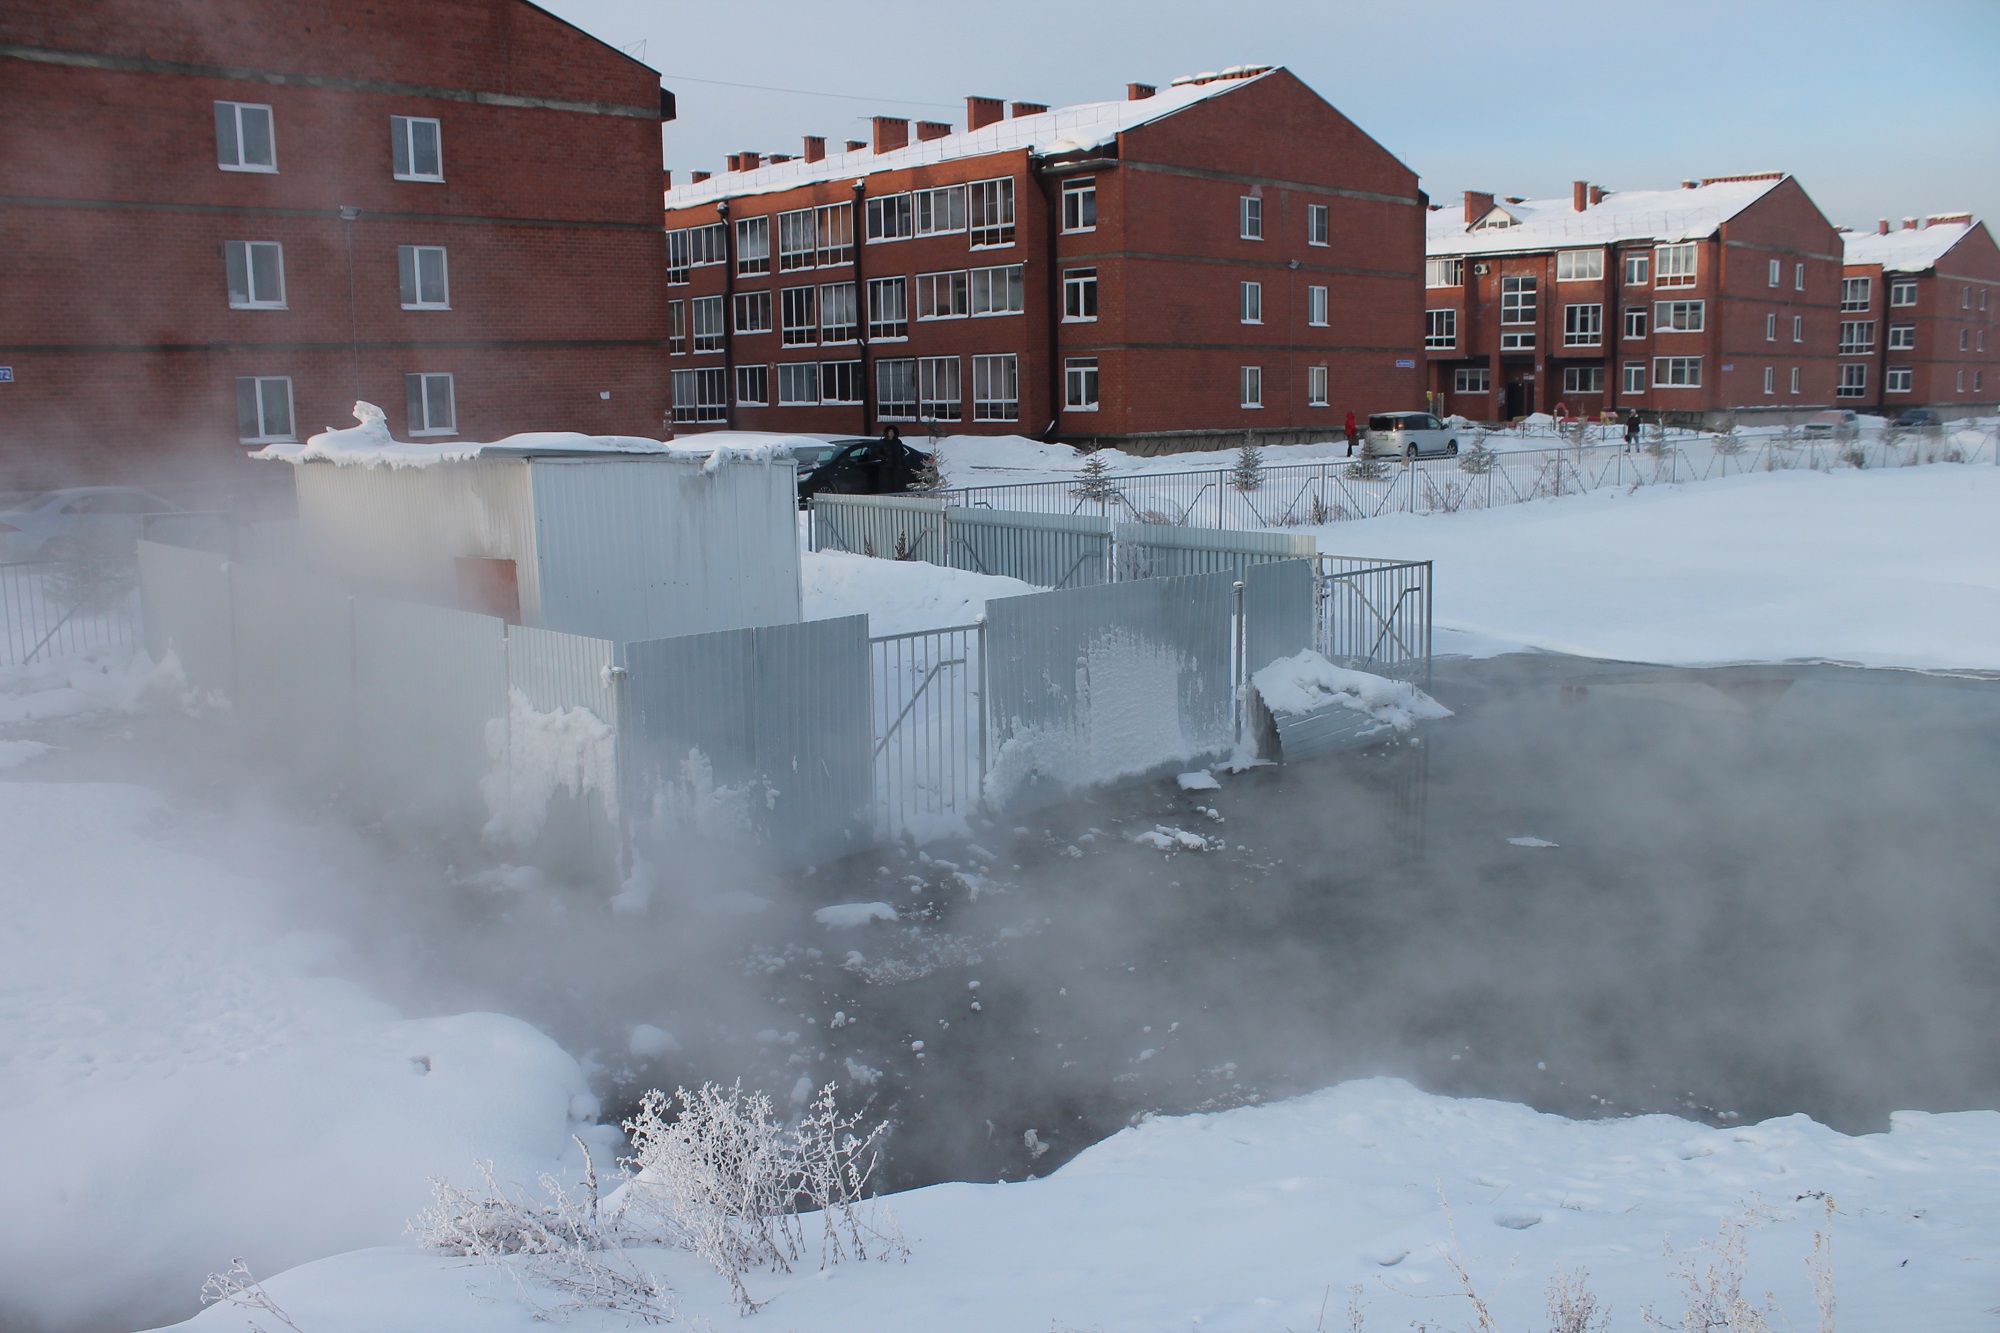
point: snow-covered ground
(1261, 1218)
(898, 596)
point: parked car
(1408, 435)
(1921, 418)
(94, 520)
(862, 467)
(1839, 424)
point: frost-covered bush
(1248, 473)
(1478, 460)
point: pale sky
(1881, 109)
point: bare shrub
(240, 1288)
(1711, 1277)
(1573, 1307)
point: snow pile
(182, 1082)
(898, 596)
(368, 443)
(534, 755)
(1306, 683)
(116, 681)
(1258, 1218)
(1199, 780)
(13, 754)
(846, 916)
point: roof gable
(1623, 215)
(1910, 250)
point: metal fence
(929, 706)
(1153, 550)
(54, 610)
(1375, 616)
(1048, 550)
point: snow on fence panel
(430, 687)
(293, 635)
(930, 730)
(894, 527)
(1046, 550)
(1151, 550)
(1090, 685)
(185, 596)
(69, 608)
(1375, 615)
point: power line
(806, 92)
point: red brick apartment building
(1720, 296)
(1920, 317)
(1225, 255)
(224, 221)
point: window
(798, 317)
(1902, 293)
(798, 384)
(1316, 225)
(1252, 311)
(1440, 328)
(431, 404)
(1771, 328)
(1579, 266)
(699, 395)
(1444, 273)
(1583, 325)
(1961, 382)
(1632, 377)
(1676, 265)
(996, 388)
(835, 223)
(1079, 212)
(891, 218)
(1856, 336)
(1897, 380)
(1583, 379)
(677, 329)
(753, 312)
(1965, 298)
(1253, 386)
(838, 318)
(942, 295)
(1250, 218)
(244, 140)
(707, 323)
(1638, 270)
(937, 389)
(896, 390)
(1770, 379)
(753, 386)
(1856, 293)
(992, 212)
(1316, 306)
(708, 245)
(1080, 384)
(1517, 301)
(1478, 380)
(998, 291)
(1079, 294)
(1853, 381)
(1777, 274)
(1962, 336)
(1679, 317)
(1635, 321)
(753, 246)
(1795, 379)
(677, 258)
(413, 149)
(425, 283)
(940, 212)
(1902, 337)
(1798, 328)
(1517, 342)
(1978, 380)
(264, 409)
(256, 272)
(1798, 277)
(1677, 372)
(797, 240)
(888, 308)
(1316, 386)
(840, 381)
(1979, 340)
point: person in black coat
(1632, 430)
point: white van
(1408, 435)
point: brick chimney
(1689, 185)
(983, 111)
(855, 145)
(815, 148)
(736, 161)
(1882, 226)
(1596, 195)
(932, 129)
(752, 161)
(1909, 224)
(1028, 109)
(1579, 196)
(699, 176)
(1477, 206)
(1139, 92)
(776, 158)
(891, 134)
(667, 181)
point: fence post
(979, 623)
(1242, 672)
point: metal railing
(1375, 616)
(929, 704)
(70, 608)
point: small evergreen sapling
(1248, 473)
(1094, 482)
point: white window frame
(1771, 327)
(1250, 308)
(229, 137)
(835, 226)
(708, 323)
(1777, 273)
(989, 213)
(259, 402)
(753, 313)
(1636, 320)
(1898, 379)
(1001, 283)
(1317, 307)
(1319, 229)
(1857, 337)
(798, 316)
(1518, 341)
(1961, 383)
(1903, 292)
(701, 395)
(1676, 372)
(753, 246)
(414, 281)
(678, 258)
(1638, 268)
(1799, 277)
(1575, 380)
(677, 329)
(1770, 379)
(1249, 217)
(946, 295)
(1447, 272)
(891, 217)
(1079, 210)
(1520, 304)
(753, 386)
(798, 240)
(897, 407)
(1253, 388)
(940, 392)
(798, 383)
(1856, 294)
(1853, 381)
(1316, 386)
(1441, 328)
(1798, 328)
(1679, 317)
(1796, 379)
(840, 382)
(1583, 324)
(420, 389)
(1079, 296)
(836, 298)
(996, 387)
(240, 269)
(1632, 378)
(1676, 265)
(1472, 379)
(1579, 266)
(1080, 384)
(1902, 337)
(926, 205)
(403, 155)
(888, 309)
(708, 244)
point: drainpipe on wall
(349, 215)
(728, 317)
(861, 309)
(1051, 226)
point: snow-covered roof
(368, 443)
(1911, 250)
(1063, 130)
(1624, 215)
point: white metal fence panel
(1046, 550)
(930, 730)
(891, 527)
(431, 709)
(1278, 602)
(554, 671)
(1148, 550)
(185, 594)
(69, 608)
(1375, 615)
(294, 649)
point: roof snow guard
(1066, 129)
(1688, 213)
(369, 444)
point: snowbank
(898, 596)
(846, 916)
(1295, 686)
(368, 443)
(114, 681)
(181, 1082)
(1257, 1218)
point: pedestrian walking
(1632, 430)
(1353, 435)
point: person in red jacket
(1353, 435)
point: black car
(1920, 416)
(863, 467)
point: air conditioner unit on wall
(1479, 269)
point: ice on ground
(846, 916)
(897, 596)
(1307, 682)
(1199, 780)
(1533, 842)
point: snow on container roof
(1065, 129)
(368, 443)
(1626, 215)
(1911, 250)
